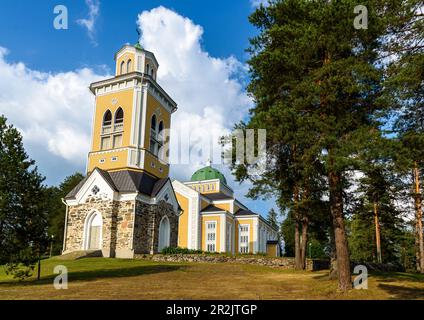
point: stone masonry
(129, 227)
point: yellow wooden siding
(183, 221)
(95, 160)
(104, 103)
(217, 219)
(223, 206)
(125, 57)
(248, 221)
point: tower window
(153, 124)
(122, 67)
(117, 141)
(107, 122)
(105, 143)
(129, 65)
(147, 69)
(160, 126)
(107, 118)
(119, 119)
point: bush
(178, 250)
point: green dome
(208, 173)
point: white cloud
(90, 22)
(257, 3)
(210, 97)
(53, 111)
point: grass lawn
(98, 278)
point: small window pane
(105, 143)
(117, 141)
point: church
(127, 204)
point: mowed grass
(98, 278)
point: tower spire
(137, 44)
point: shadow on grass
(398, 276)
(403, 293)
(91, 275)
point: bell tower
(132, 113)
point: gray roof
(217, 196)
(212, 208)
(126, 181)
(243, 212)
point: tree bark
(336, 208)
(377, 233)
(304, 242)
(333, 260)
(418, 219)
(297, 249)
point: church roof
(127, 181)
(208, 173)
(217, 196)
(212, 208)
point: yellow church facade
(127, 204)
(213, 220)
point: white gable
(167, 194)
(94, 186)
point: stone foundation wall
(147, 221)
(282, 262)
(128, 226)
(75, 225)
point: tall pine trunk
(377, 233)
(297, 247)
(342, 251)
(304, 242)
(418, 219)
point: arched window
(160, 126)
(153, 125)
(93, 232)
(164, 233)
(107, 118)
(122, 67)
(153, 75)
(119, 116)
(147, 69)
(129, 65)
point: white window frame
(244, 235)
(210, 242)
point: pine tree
(316, 85)
(405, 87)
(272, 218)
(23, 212)
(56, 210)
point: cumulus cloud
(257, 3)
(210, 96)
(53, 111)
(90, 22)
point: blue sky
(26, 29)
(45, 73)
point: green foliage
(23, 204)
(272, 218)
(57, 210)
(178, 250)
